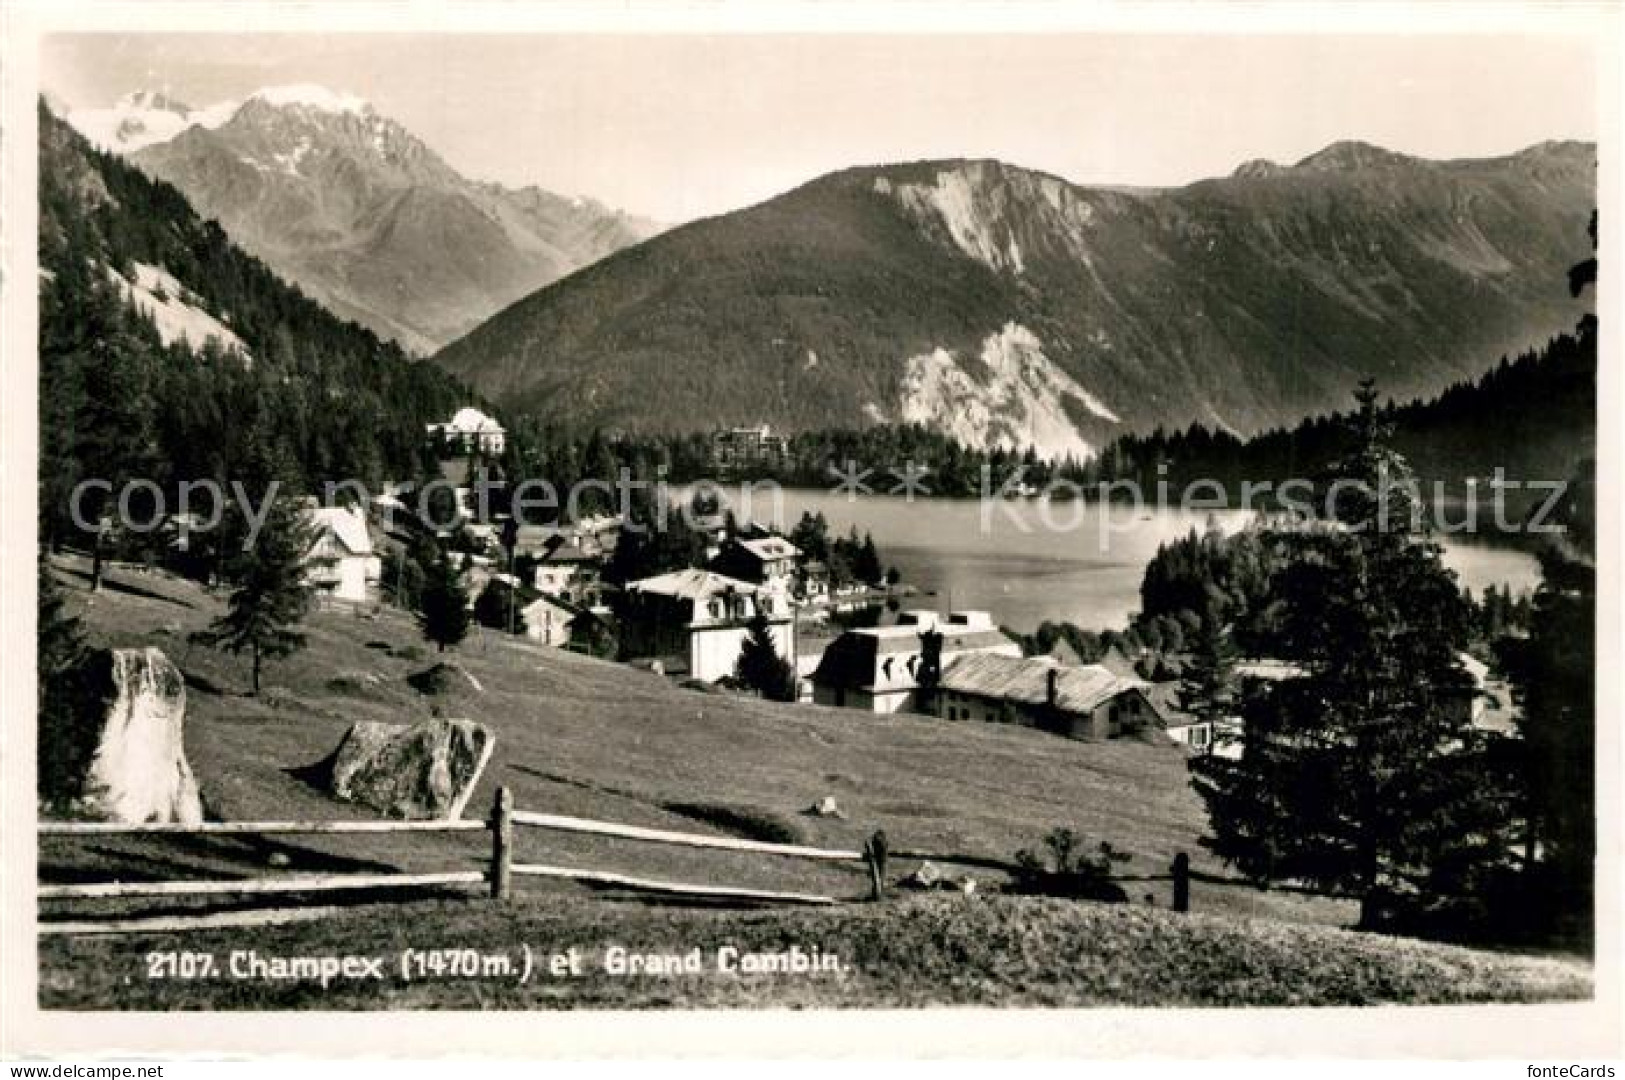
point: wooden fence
(501, 824)
(503, 820)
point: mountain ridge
(168, 353)
(355, 209)
(1241, 302)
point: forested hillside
(1008, 308)
(1534, 416)
(371, 222)
(168, 353)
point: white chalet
(341, 563)
(698, 620)
(469, 432)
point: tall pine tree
(760, 666)
(1361, 775)
(1207, 683)
(271, 595)
(443, 610)
(1554, 672)
(66, 732)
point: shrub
(1065, 867)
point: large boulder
(425, 770)
(133, 727)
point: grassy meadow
(583, 737)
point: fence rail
(290, 883)
(504, 817)
(661, 836)
(671, 887)
(255, 828)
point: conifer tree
(760, 666)
(811, 535)
(271, 595)
(1555, 678)
(1360, 776)
(867, 565)
(65, 742)
(1554, 672)
(443, 613)
(1207, 683)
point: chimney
(1052, 680)
(930, 658)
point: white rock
(138, 772)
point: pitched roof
(1164, 697)
(1062, 652)
(560, 550)
(548, 600)
(854, 660)
(469, 419)
(770, 547)
(857, 657)
(958, 640)
(1118, 662)
(690, 584)
(1269, 669)
(1026, 680)
(348, 527)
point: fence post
(874, 856)
(502, 844)
(1182, 882)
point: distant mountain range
(357, 211)
(1009, 307)
(168, 353)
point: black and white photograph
(1034, 517)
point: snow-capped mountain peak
(144, 118)
(368, 219)
(312, 96)
(157, 100)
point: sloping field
(582, 737)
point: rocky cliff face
(1015, 308)
(360, 213)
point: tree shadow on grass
(112, 584)
(212, 858)
(178, 857)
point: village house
(341, 564)
(768, 561)
(1482, 703)
(812, 583)
(598, 533)
(533, 541)
(1087, 702)
(551, 620)
(695, 621)
(469, 432)
(886, 669)
(595, 535)
(568, 570)
(714, 530)
(1187, 729)
(812, 639)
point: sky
(677, 127)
